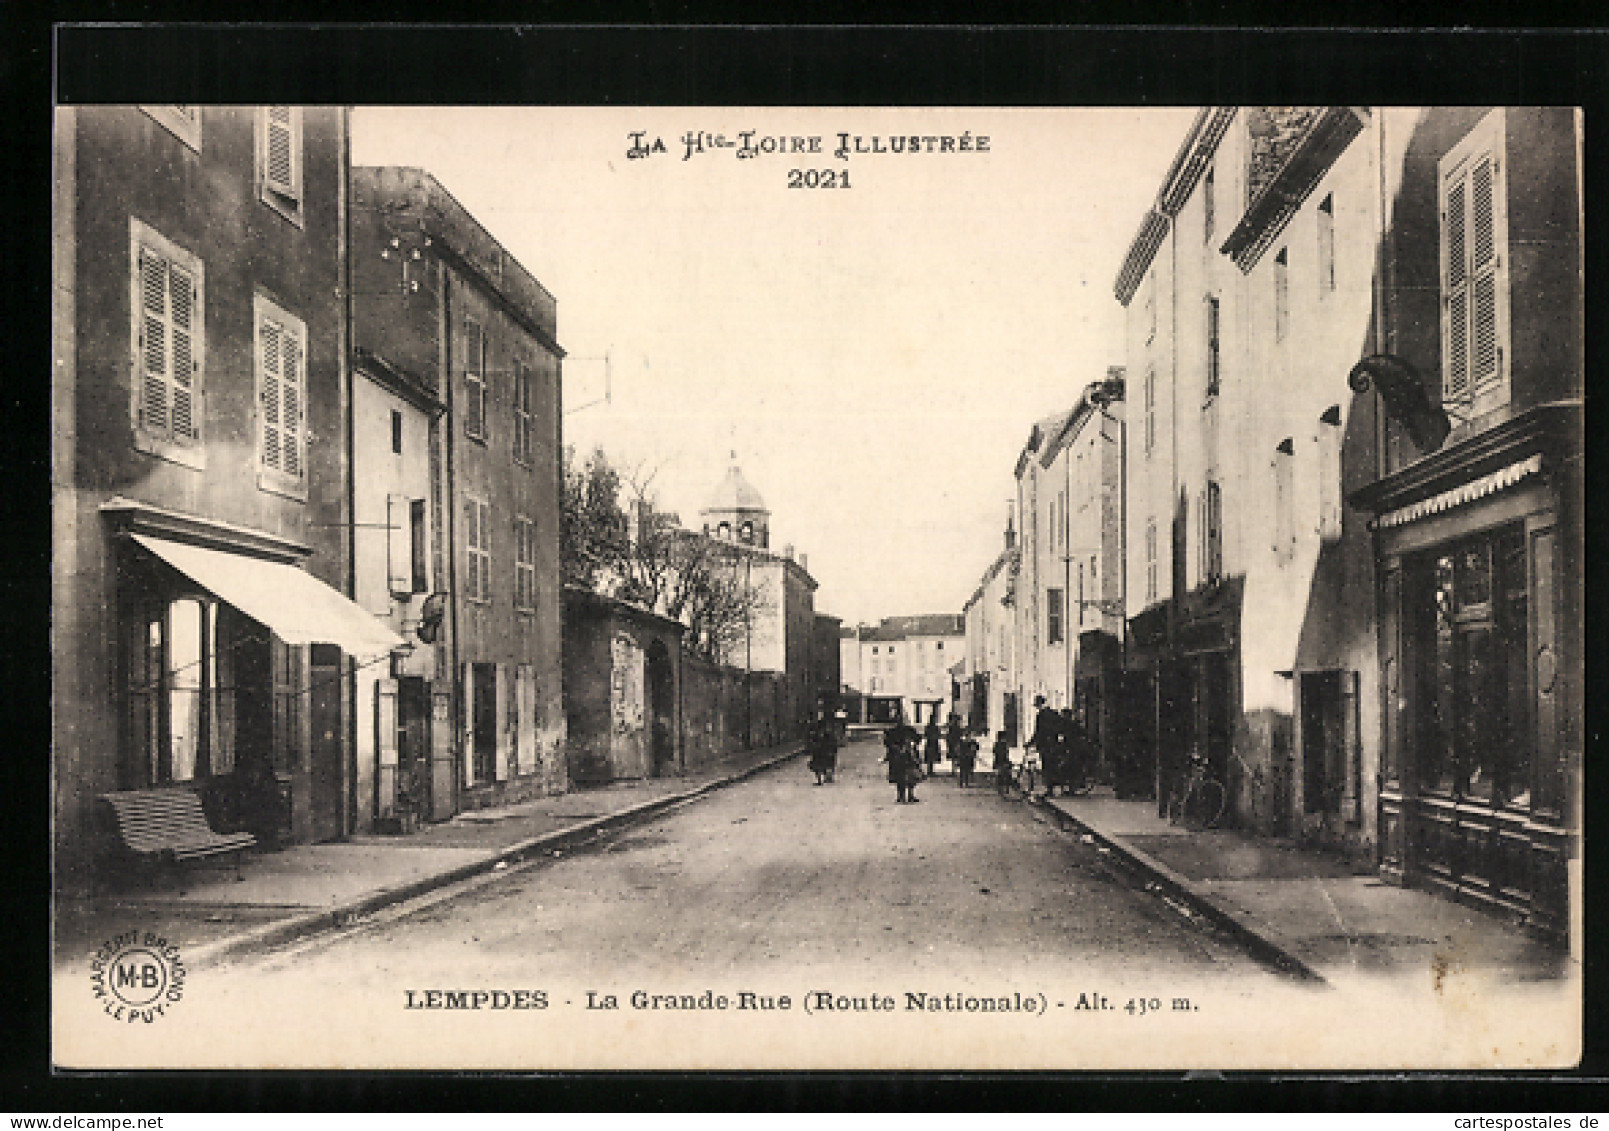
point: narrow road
(778, 874)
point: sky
(875, 355)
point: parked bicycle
(1200, 803)
(1026, 776)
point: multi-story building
(904, 664)
(1353, 490)
(441, 305)
(989, 684)
(201, 502)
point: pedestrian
(1002, 762)
(904, 765)
(823, 747)
(965, 759)
(1080, 757)
(953, 739)
(931, 752)
(1047, 740)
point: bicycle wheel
(1204, 806)
(1030, 779)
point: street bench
(168, 827)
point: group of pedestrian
(900, 743)
(823, 742)
(912, 756)
(1064, 748)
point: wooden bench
(168, 827)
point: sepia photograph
(659, 587)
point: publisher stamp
(137, 976)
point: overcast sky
(875, 355)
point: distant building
(439, 304)
(989, 691)
(903, 665)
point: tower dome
(736, 511)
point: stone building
(203, 638)
(438, 303)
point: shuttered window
(279, 159)
(477, 537)
(1213, 534)
(281, 397)
(184, 122)
(524, 564)
(1213, 351)
(524, 425)
(1150, 560)
(1474, 274)
(474, 380)
(166, 302)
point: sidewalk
(307, 888)
(1314, 915)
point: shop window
(181, 690)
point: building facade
(437, 298)
(989, 688)
(1353, 489)
(203, 638)
(904, 664)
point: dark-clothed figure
(904, 763)
(823, 747)
(953, 740)
(1080, 757)
(931, 752)
(966, 757)
(1002, 762)
(1047, 740)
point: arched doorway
(661, 710)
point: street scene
(648, 588)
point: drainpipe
(450, 473)
(344, 349)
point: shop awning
(299, 607)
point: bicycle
(1025, 777)
(1201, 803)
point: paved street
(776, 873)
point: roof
(416, 195)
(1009, 554)
(922, 624)
(1042, 429)
(735, 493)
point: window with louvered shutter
(474, 381)
(477, 540)
(184, 122)
(524, 564)
(524, 430)
(166, 305)
(279, 158)
(1474, 281)
(281, 397)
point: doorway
(661, 710)
(327, 787)
(413, 744)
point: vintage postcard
(727, 587)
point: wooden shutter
(1455, 293)
(1484, 350)
(279, 151)
(1474, 286)
(525, 695)
(182, 295)
(483, 526)
(399, 548)
(416, 545)
(385, 746)
(1351, 786)
(153, 286)
(293, 404)
(505, 725)
(474, 380)
(472, 546)
(468, 716)
(272, 339)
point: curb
(1263, 948)
(274, 935)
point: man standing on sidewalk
(1047, 740)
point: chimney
(804, 562)
(1011, 533)
(787, 551)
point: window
(1282, 295)
(1150, 410)
(1328, 442)
(524, 425)
(416, 540)
(474, 361)
(1326, 245)
(181, 691)
(396, 432)
(1284, 541)
(1212, 346)
(183, 122)
(724, 531)
(1150, 308)
(166, 307)
(1474, 270)
(478, 539)
(1213, 532)
(281, 399)
(1150, 560)
(1082, 601)
(1209, 206)
(1053, 616)
(279, 159)
(524, 564)
(747, 532)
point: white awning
(299, 607)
